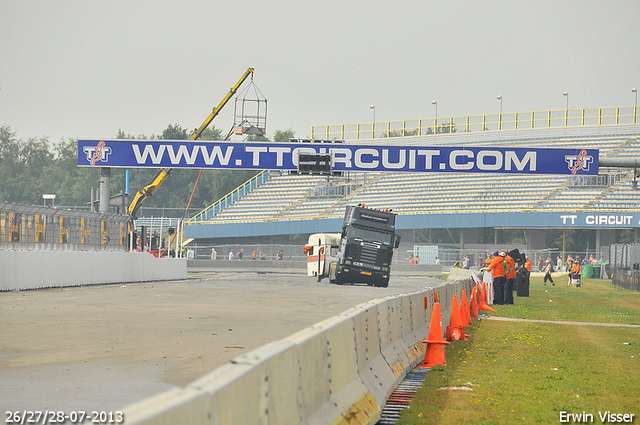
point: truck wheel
(382, 284)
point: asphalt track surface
(104, 347)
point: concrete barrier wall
(21, 270)
(339, 371)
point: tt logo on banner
(98, 153)
(578, 162)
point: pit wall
(20, 270)
(339, 371)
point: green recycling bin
(587, 271)
(596, 271)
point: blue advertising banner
(284, 156)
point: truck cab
(366, 247)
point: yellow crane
(162, 175)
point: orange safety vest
(497, 267)
(511, 267)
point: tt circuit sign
(285, 156)
(587, 220)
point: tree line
(32, 167)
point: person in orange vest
(511, 279)
(574, 272)
(498, 268)
(527, 265)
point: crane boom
(162, 175)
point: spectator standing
(263, 256)
(558, 263)
(510, 279)
(487, 276)
(214, 254)
(547, 274)
(437, 261)
(240, 254)
(574, 271)
(230, 255)
(465, 262)
(527, 264)
(540, 264)
(417, 260)
(254, 256)
(569, 262)
(497, 268)
(280, 255)
(411, 260)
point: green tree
(212, 133)
(21, 168)
(174, 132)
(283, 136)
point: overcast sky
(84, 69)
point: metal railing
(601, 180)
(231, 197)
(39, 228)
(477, 123)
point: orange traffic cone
(473, 306)
(464, 310)
(455, 330)
(435, 344)
(483, 300)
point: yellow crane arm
(147, 191)
(162, 175)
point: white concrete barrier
(339, 371)
(45, 269)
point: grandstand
(286, 203)
(287, 196)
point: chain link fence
(266, 252)
(448, 256)
(625, 266)
(41, 228)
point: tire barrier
(339, 371)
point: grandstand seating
(292, 197)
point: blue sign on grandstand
(284, 156)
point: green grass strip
(527, 372)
